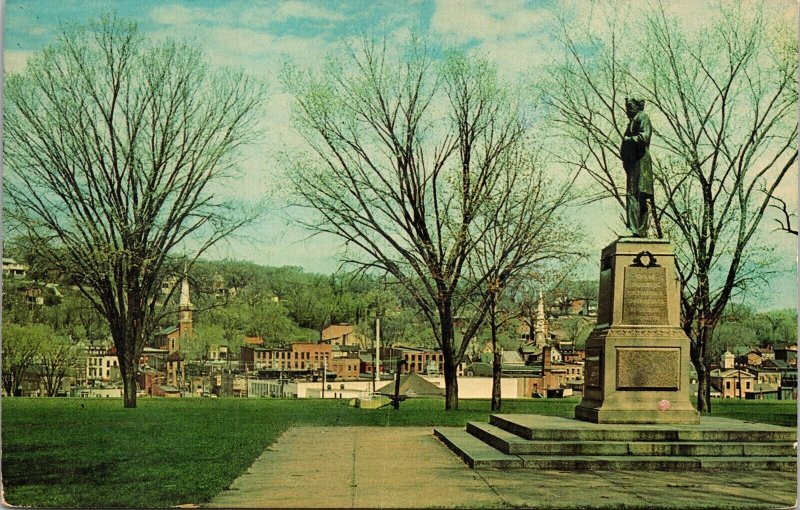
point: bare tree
(406, 151)
(112, 148)
(788, 220)
(723, 102)
(523, 233)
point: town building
(787, 353)
(14, 269)
(286, 388)
(732, 383)
(756, 357)
(366, 363)
(346, 368)
(788, 373)
(253, 340)
(175, 373)
(298, 356)
(419, 360)
(511, 365)
(102, 365)
(344, 334)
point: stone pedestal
(637, 357)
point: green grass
(776, 412)
(167, 452)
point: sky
(260, 36)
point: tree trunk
(450, 383)
(129, 388)
(496, 372)
(703, 390)
(51, 386)
(128, 365)
(698, 349)
(8, 384)
(449, 352)
(497, 365)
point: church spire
(185, 308)
(184, 303)
(540, 307)
(540, 327)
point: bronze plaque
(591, 368)
(649, 368)
(644, 296)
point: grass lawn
(167, 452)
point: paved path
(374, 467)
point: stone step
(475, 452)
(710, 429)
(513, 444)
(479, 455)
(657, 463)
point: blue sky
(260, 36)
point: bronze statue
(635, 154)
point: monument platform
(545, 442)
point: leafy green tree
(204, 338)
(22, 343)
(270, 320)
(576, 330)
(57, 358)
(776, 327)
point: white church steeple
(540, 326)
(185, 308)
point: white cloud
(15, 61)
(512, 34)
(481, 19)
(312, 10)
(172, 14)
(257, 16)
(176, 14)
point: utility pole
(739, 372)
(324, 374)
(376, 373)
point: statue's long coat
(635, 154)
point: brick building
(299, 356)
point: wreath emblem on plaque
(645, 259)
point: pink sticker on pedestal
(664, 405)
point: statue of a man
(635, 154)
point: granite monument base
(637, 358)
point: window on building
(747, 385)
(727, 385)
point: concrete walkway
(373, 467)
